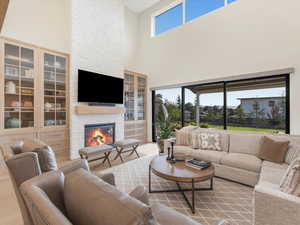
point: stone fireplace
(98, 134)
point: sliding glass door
(167, 106)
(255, 105)
(204, 105)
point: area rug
(228, 200)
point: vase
(13, 123)
(161, 145)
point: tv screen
(99, 88)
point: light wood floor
(9, 209)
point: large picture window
(169, 19)
(196, 8)
(206, 105)
(254, 105)
(257, 105)
(182, 11)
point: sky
(217, 98)
(194, 8)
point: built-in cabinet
(135, 97)
(34, 94)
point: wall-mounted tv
(99, 88)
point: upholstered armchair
(55, 199)
(32, 158)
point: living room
(204, 80)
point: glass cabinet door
(55, 68)
(129, 97)
(19, 87)
(141, 98)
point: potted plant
(164, 128)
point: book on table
(197, 164)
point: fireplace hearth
(98, 134)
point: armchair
(23, 166)
(45, 197)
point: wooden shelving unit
(135, 101)
(31, 104)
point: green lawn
(247, 129)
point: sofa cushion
(208, 155)
(245, 143)
(46, 155)
(167, 216)
(242, 161)
(273, 150)
(293, 153)
(181, 152)
(272, 172)
(196, 140)
(184, 135)
(31, 145)
(290, 183)
(89, 200)
(46, 158)
(211, 141)
(294, 146)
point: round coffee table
(180, 173)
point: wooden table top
(178, 171)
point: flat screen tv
(99, 88)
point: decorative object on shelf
(27, 91)
(48, 106)
(15, 104)
(10, 88)
(12, 123)
(29, 73)
(27, 104)
(172, 160)
(49, 122)
(11, 71)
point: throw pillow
(46, 155)
(293, 153)
(196, 140)
(17, 147)
(210, 141)
(273, 150)
(89, 200)
(290, 183)
(46, 158)
(31, 145)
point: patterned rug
(228, 200)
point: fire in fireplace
(98, 134)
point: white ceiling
(139, 6)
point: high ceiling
(139, 6)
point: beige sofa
(238, 161)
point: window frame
(287, 98)
(163, 10)
(170, 6)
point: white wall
(131, 39)
(243, 37)
(44, 23)
(97, 45)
